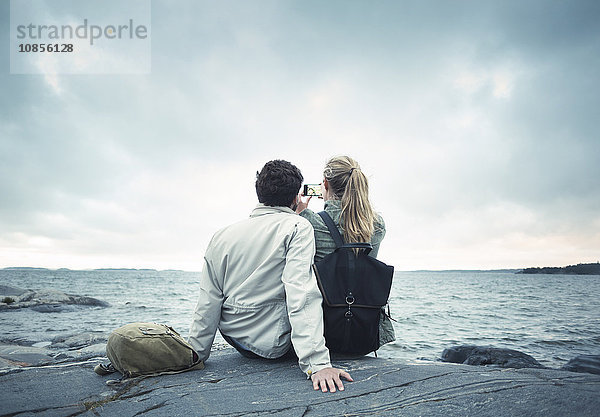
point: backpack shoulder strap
(337, 237)
(333, 230)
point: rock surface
(45, 300)
(486, 355)
(12, 356)
(78, 340)
(583, 363)
(77, 347)
(231, 385)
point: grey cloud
(239, 83)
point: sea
(550, 317)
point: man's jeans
(245, 352)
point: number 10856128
(46, 47)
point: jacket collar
(334, 204)
(261, 210)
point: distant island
(30, 268)
(24, 268)
(579, 269)
(126, 269)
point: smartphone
(313, 190)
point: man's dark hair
(278, 183)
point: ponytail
(350, 184)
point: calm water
(551, 317)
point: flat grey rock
(78, 340)
(231, 385)
(14, 356)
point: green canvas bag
(148, 349)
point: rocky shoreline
(64, 348)
(45, 300)
(59, 374)
(87, 345)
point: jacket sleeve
(208, 310)
(377, 236)
(304, 300)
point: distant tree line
(579, 269)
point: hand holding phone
(312, 190)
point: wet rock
(583, 363)
(44, 300)
(19, 356)
(78, 340)
(63, 356)
(6, 291)
(487, 355)
(15, 354)
(88, 352)
(7, 365)
(80, 347)
(70, 348)
(52, 308)
(94, 351)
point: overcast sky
(476, 123)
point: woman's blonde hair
(348, 183)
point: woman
(345, 190)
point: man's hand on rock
(329, 378)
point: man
(257, 286)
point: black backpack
(355, 287)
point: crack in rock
(41, 410)
(317, 403)
(479, 387)
(447, 394)
(154, 407)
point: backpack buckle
(349, 300)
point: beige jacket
(257, 287)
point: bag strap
(337, 237)
(333, 230)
